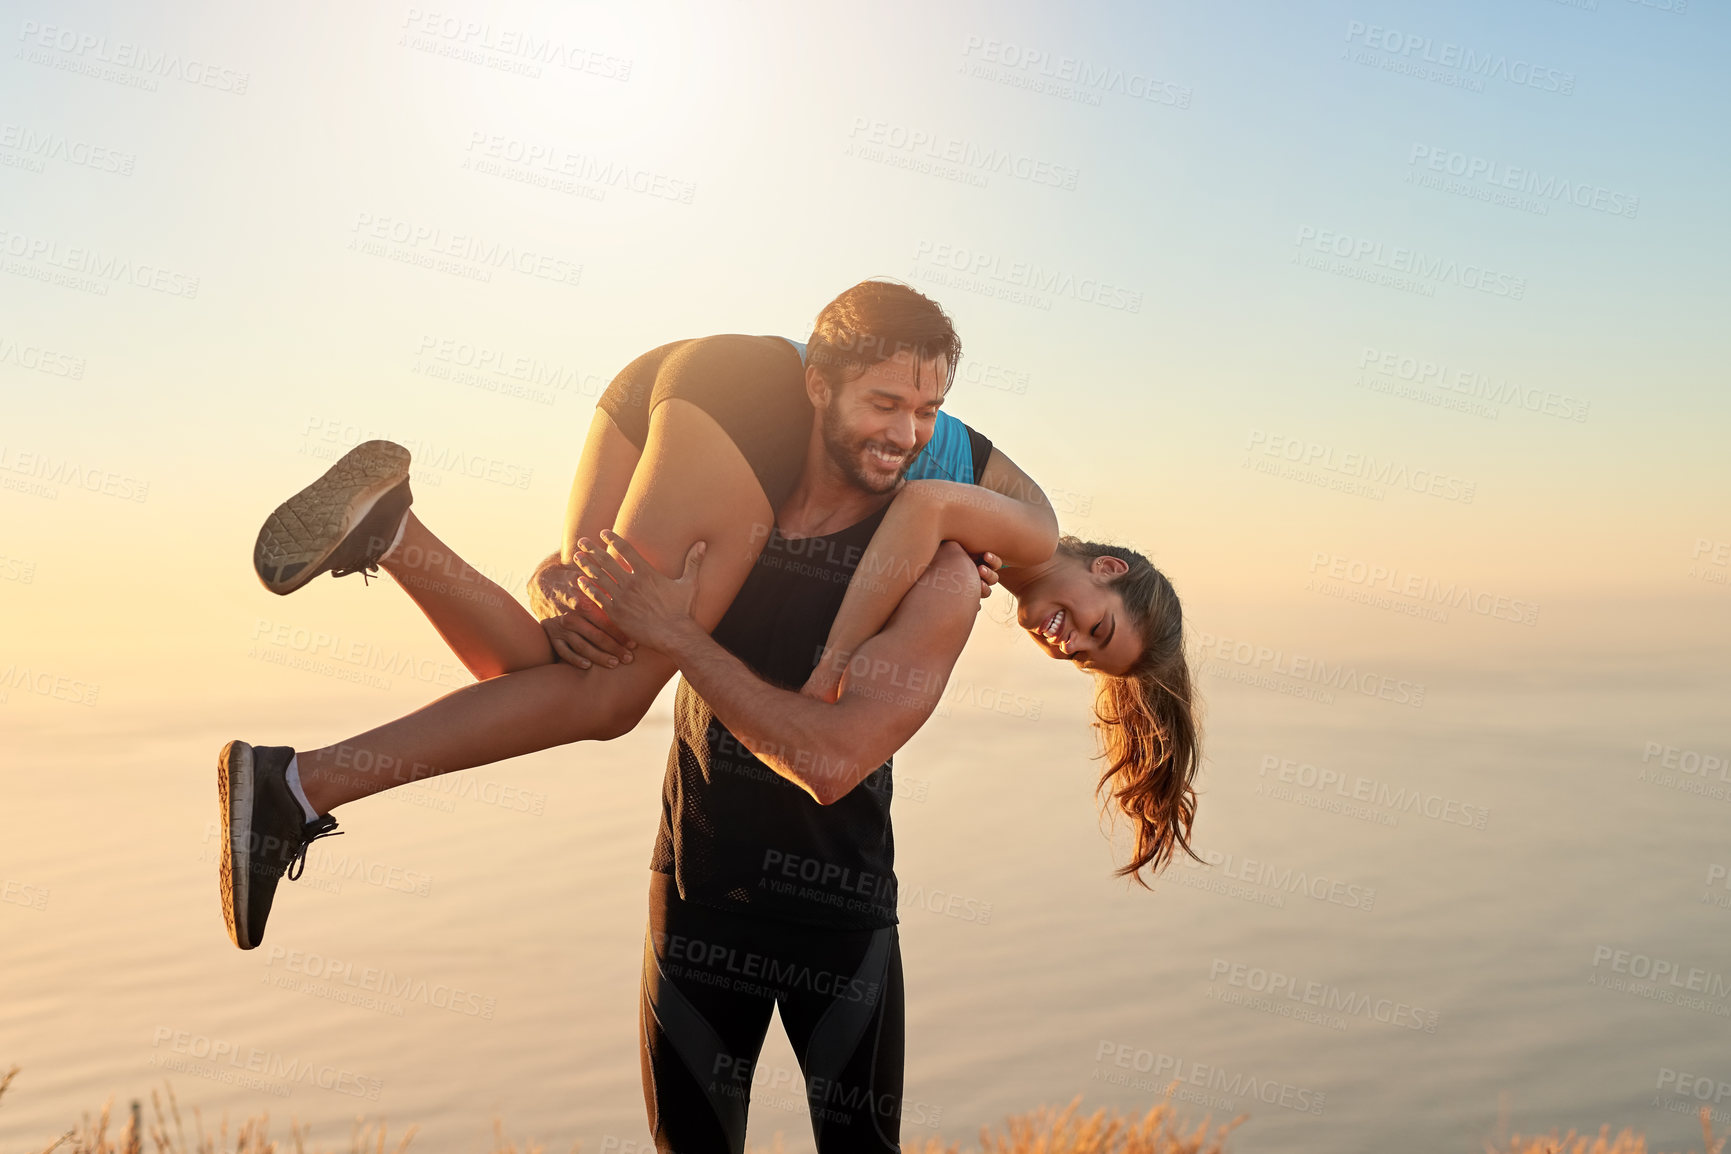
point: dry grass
(1068, 1131)
(1628, 1142)
(166, 1133)
(1045, 1131)
(1048, 1131)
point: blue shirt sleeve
(948, 456)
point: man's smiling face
(876, 424)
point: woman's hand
(825, 681)
(582, 638)
(553, 588)
(580, 633)
(650, 608)
(988, 564)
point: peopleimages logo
(1164, 1068)
(91, 51)
(46, 683)
(1322, 997)
(993, 270)
(1373, 578)
(1066, 77)
(1706, 775)
(1718, 875)
(1286, 879)
(54, 471)
(1351, 469)
(1395, 799)
(1710, 561)
(358, 654)
(484, 42)
(1433, 373)
(842, 879)
(463, 253)
(17, 569)
(1494, 173)
(321, 862)
(1664, 971)
(38, 359)
(339, 975)
(102, 268)
(1691, 762)
(251, 1060)
(331, 437)
(1303, 667)
(38, 146)
(1685, 1086)
(555, 160)
(31, 897)
(891, 139)
(1447, 54)
(1364, 470)
(1410, 262)
(749, 966)
(506, 372)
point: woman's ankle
(318, 781)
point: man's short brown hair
(872, 322)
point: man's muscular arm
(1006, 517)
(826, 748)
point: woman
(706, 440)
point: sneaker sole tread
(308, 527)
(234, 787)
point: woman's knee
(622, 696)
(619, 721)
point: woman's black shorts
(754, 387)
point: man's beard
(846, 455)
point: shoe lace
(325, 826)
(367, 570)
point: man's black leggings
(710, 980)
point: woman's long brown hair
(1149, 733)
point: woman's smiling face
(1073, 613)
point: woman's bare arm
(1006, 514)
(579, 632)
(598, 489)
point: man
(774, 880)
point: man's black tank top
(734, 833)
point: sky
(1386, 329)
(1116, 203)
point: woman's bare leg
(487, 628)
(693, 484)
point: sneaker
(268, 834)
(343, 522)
